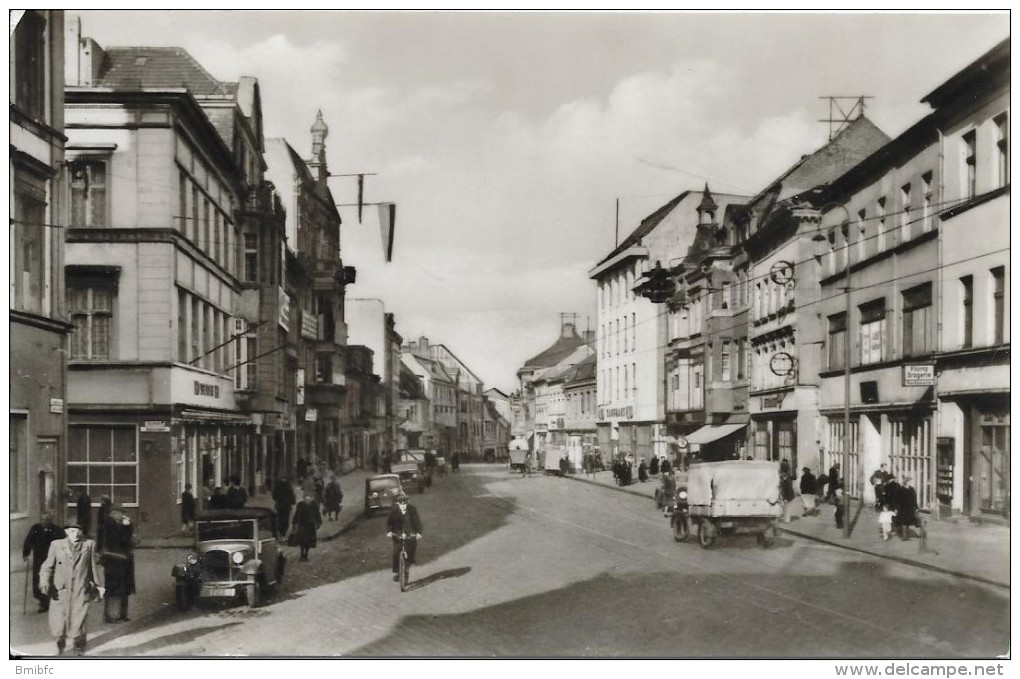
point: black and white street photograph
(492, 337)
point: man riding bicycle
(403, 520)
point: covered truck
(734, 496)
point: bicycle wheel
(403, 571)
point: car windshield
(234, 529)
(382, 484)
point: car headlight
(375, 494)
(682, 495)
(237, 558)
(192, 559)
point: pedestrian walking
(837, 499)
(237, 496)
(906, 508)
(833, 482)
(334, 497)
(878, 481)
(36, 548)
(885, 519)
(219, 499)
(320, 488)
(284, 499)
(83, 510)
(665, 467)
(455, 462)
(307, 520)
(642, 471)
(187, 508)
(892, 499)
(787, 494)
(653, 466)
(72, 580)
(118, 562)
(105, 506)
(808, 491)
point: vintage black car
(235, 554)
(380, 492)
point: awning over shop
(713, 432)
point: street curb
(899, 559)
(891, 557)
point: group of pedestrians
(318, 497)
(70, 570)
(623, 468)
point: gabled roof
(583, 371)
(410, 385)
(560, 349)
(853, 144)
(645, 227)
(156, 67)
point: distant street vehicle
(235, 554)
(380, 492)
(735, 496)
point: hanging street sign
(781, 272)
(919, 375)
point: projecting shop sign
(919, 375)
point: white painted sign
(919, 375)
(155, 426)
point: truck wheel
(706, 534)
(681, 529)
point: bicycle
(402, 565)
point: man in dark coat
(891, 491)
(307, 520)
(653, 466)
(187, 508)
(834, 482)
(118, 561)
(403, 520)
(237, 496)
(906, 508)
(642, 471)
(37, 546)
(808, 491)
(284, 499)
(83, 511)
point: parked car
(412, 474)
(235, 554)
(380, 492)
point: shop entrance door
(992, 462)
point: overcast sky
(506, 138)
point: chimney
(83, 57)
(589, 338)
(423, 346)
(568, 330)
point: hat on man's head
(401, 498)
(72, 524)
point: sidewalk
(968, 550)
(154, 558)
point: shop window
(910, 454)
(103, 460)
(761, 440)
(992, 475)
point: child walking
(885, 517)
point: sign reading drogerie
(919, 375)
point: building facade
(441, 392)
(631, 330)
(918, 235)
(38, 314)
(157, 214)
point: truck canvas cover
(734, 488)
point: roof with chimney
(155, 67)
(564, 345)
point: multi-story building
(468, 409)
(370, 325)
(363, 396)
(165, 170)
(313, 290)
(632, 330)
(706, 359)
(527, 419)
(38, 315)
(497, 426)
(412, 411)
(440, 389)
(918, 234)
(580, 392)
(785, 334)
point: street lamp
(819, 236)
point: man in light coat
(72, 579)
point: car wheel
(680, 528)
(183, 597)
(253, 593)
